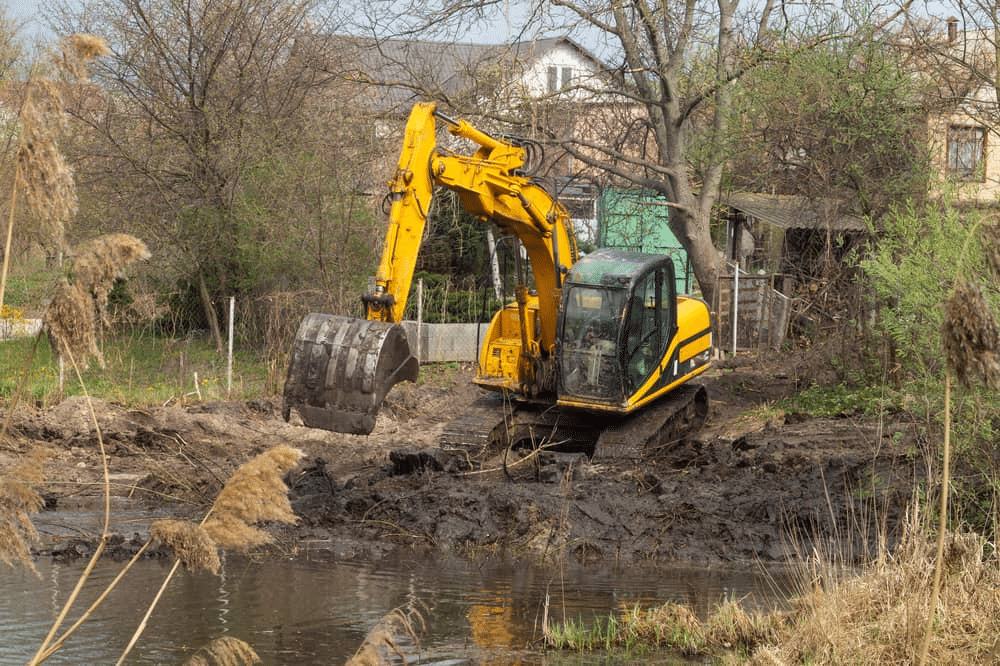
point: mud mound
(762, 497)
(744, 489)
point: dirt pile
(733, 493)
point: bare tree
(202, 101)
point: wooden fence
(758, 318)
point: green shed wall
(638, 221)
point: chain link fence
(440, 343)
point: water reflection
(315, 611)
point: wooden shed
(792, 238)
(779, 248)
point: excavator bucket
(341, 369)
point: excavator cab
(622, 341)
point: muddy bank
(731, 494)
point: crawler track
(493, 424)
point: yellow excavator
(591, 345)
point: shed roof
(795, 212)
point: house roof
(795, 212)
(536, 48)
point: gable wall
(536, 76)
(987, 190)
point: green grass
(29, 285)
(632, 632)
(441, 375)
(841, 400)
(138, 370)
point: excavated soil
(754, 485)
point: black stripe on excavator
(673, 368)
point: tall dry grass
(78, 309)
(971, 343)
(877, 615)
(872, 615)
(19, 499)
(42, 172)
(928, 601)
(97, 263)
(47, 181)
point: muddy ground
(753, 486)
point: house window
(966, 153)
(567, 77)
(559, 78)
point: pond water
(313, 610)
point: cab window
(589, 365)
(648, 327)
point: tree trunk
(213, 319)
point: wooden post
(420, 319)
(229, 354)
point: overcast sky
(25, 10)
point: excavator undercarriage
(495, 424)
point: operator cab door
(650, 323)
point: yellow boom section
(489, 186)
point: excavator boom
(341, 368)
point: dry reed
(381, 646)
(970, 337)
(675, 625)
(190, 543)
(18, 501)
(71, 325)
(98, 262)
(78, 50)
(256, 492)
(44, 175)
(991, 249)
(731, 627)
(79, 307)
(224, 651)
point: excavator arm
(490, 186)
(341, 368)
